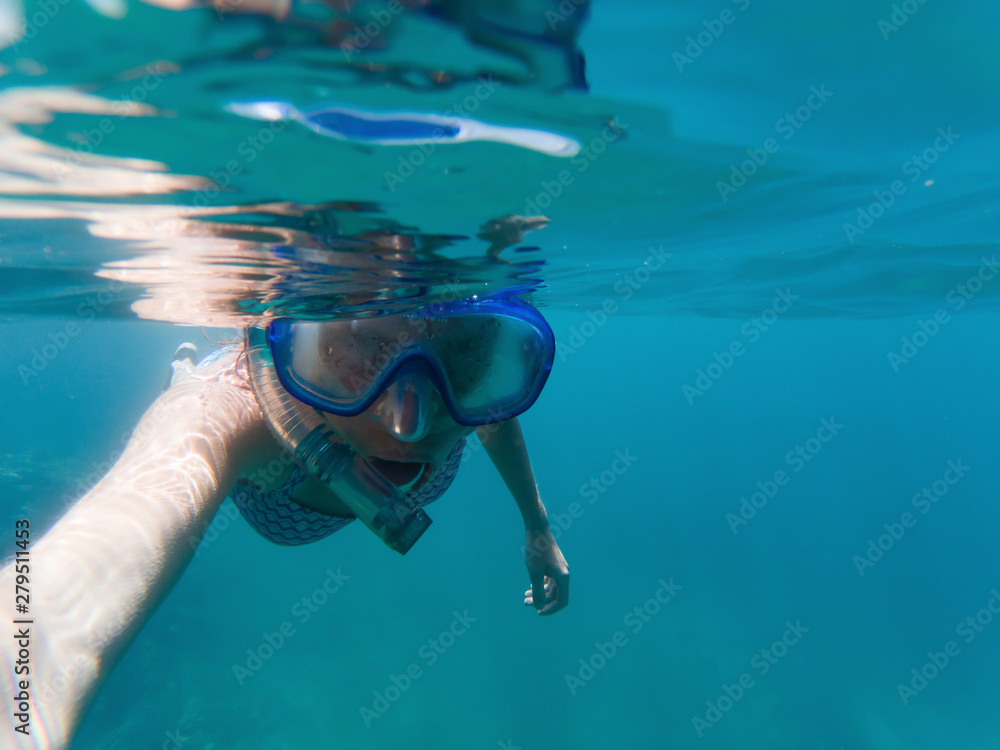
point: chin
(406, 453)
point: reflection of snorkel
(299, 429)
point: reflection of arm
(504, 444)
(102, 570)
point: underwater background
(769, 441)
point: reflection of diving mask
(489, 359)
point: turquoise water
(723, 347)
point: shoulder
(222, 375)
(225, 365)
(217, 402)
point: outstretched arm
(102, 570)
(547, 567)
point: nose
(405, 408)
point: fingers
(557, 595)
(530, 598)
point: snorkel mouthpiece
(300, 430)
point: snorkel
(303, 433)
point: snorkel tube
(303, 433)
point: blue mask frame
(420, 358)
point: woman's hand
(548, 572)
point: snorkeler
(376, 411)
(372, 414)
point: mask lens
(328, 364)
(491, 363)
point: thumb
(538, 590)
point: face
(408, 427)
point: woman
(372, 413)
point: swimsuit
(279, 519)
